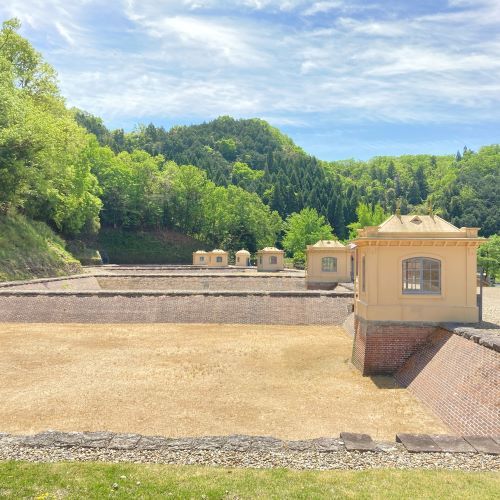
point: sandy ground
(187, 380)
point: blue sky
(344, 79)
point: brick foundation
(459, 380)
(381, 348)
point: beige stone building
(200, 258)
(270, 259)
(242, 258)
(218, 258)
(413, 272)
(328, 262)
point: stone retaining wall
(220, 282)
(459, 380)
(70, 283)
(286, 308)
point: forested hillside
(251, 154)
(229, 183)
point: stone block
(124, 441)
(484, 444)
(418, 443)
(357, 442)
(452, 444)
(96, 439)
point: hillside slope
(30, 249)
(146, 247)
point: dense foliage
(488, 256)
(305, 228)
(45, 167)
(258, 158)
(228, 183)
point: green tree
(488, 256)
(367, 216)
(305, 228)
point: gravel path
(394, 457)
(491, 305)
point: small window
(260, 260)
(218, 259)
(329, 264)
(273, 259)
(363, 274)
(421, 275)
(237, 259)
(202, 258)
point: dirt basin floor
(188, 380)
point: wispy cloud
(297, 62)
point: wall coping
(172, 293)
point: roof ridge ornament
(398, 208)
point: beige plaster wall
(264, 263)
(314, 274)
(197, 261)
(213, 259)
(242, 260)
(383, 298)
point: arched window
(421, 275)
(329, 264)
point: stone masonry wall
(383, 347)
(69, 283)
(183, 308)
(201, 282)
(459, 380)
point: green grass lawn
(96, 480)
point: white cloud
(185, 58)
(322, 7)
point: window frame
(333, 260)
(273, 260)
(423, 265)
(218, 259)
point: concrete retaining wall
(457, 379)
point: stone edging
(481, 336)
(413, 443)
(8, 284)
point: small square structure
(328, 262)
(413, 272)
(218, 258)
(270, 259)
(200, 258)
(242, 258)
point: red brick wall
(459, 380)
(382, 348)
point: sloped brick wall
(459, 380)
